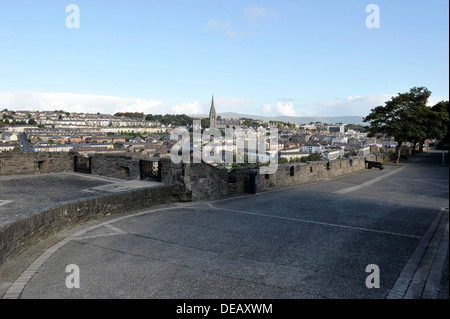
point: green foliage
(405, 117)
(349, 154)
(173, 119)
(401, 116)
(205, 123)
(438, 122)
(315, 157)
(356, 127)
(296, 160)
(134, 115)
(249, 122)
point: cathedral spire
(212, 115)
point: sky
(295, 58)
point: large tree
(439, 121)
(403, 117)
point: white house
(312, 147)
(5, 147)
(9, 137)
(291, 155)
(331, 155)
(364, 151)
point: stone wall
(34, 163)
(180, 182)
(128, 167)
(203, 181)
(19, 235)
(115, 165)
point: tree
(136, 115)
(438, 122)
(315, 157)
(403, 117)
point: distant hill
(292, 119)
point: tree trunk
(399, 151)
(421, 146)
(414, 149)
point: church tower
(212, 115)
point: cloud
(350, 106)
(354, 105)
(223, 26)
(291, 4)
(217, 24)
(187, 108)
(434, 100)
(256, 12)
(88, 103)
(286, 109)
(80, 103)
(266, 108)
(234, 104)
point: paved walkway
(22, 195)
(307, 241)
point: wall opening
(82, 164)
(125, 171)
(38, 165)
(232, 176)
(150, 170)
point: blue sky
(303, 58)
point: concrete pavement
(307, 241)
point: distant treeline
(185, 120)
(356, 127)
(174, 119)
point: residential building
(311, 147)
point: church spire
(212, 115)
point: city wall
(202, 181)
(179, 182)
(34, 163)
(19, 235)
